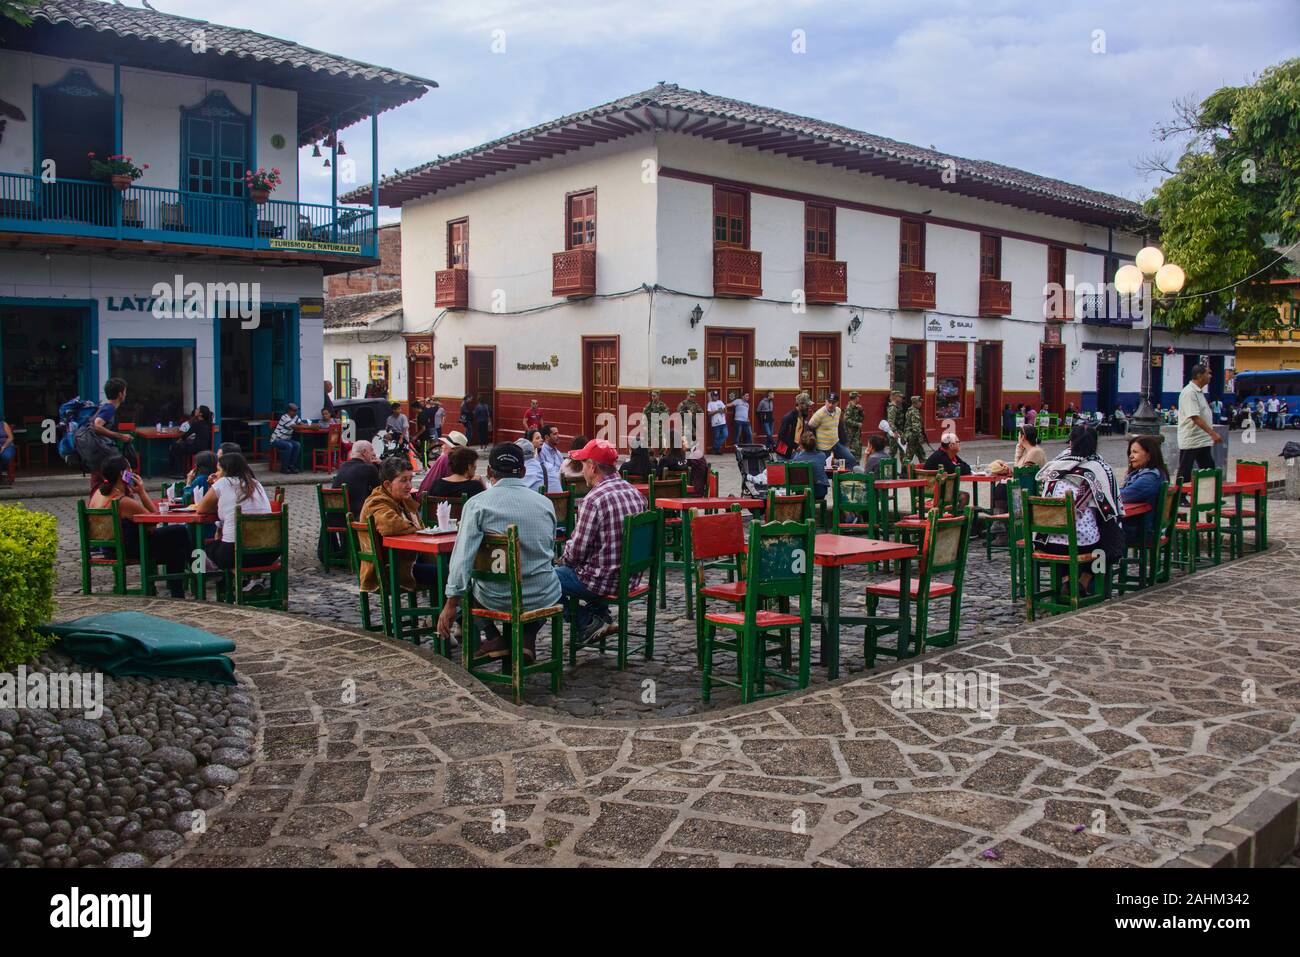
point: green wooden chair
(255, 537)
(429, 507)
(942, 552)
(498, 561)
(638, 558)
(332, 507)
(1055, 516)
(673, 537)
(856, 506)
(780, 565)
(717, 542)
(566, 516)
(101, 528)
(1204, 519)
(1235, 515)
(1165, 517)
(940, 491)
(787, 507)
(1024, 478)
(362, 539)
(1143, 553)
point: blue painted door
(216, 158)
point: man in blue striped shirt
(507, 502)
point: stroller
(752, 462)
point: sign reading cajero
(774, 363)
(312, 245)
(673, 360)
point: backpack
(74, 414)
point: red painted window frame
(569, 219)
(990, 256)
(451, 227)
(813, 229)
(906, 244)
(743, 197)
(1056, 270)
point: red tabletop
(1234, 488)
(315, 429)
(642, 487)
(981, 477)
(1129, 509)
(900, 483)
(836, 550)
(148, 432)
(173, 518)
(429, 544)
(684, 504)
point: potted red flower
(118, 168)
(261, 183)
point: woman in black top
(198, 438)
(460, 480)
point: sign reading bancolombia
(774, 363)
(538, 366)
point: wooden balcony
(825, 281)
(573, 273)
(451, 289)
(915, 289)
(737, 272)
(995, 297)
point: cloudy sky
(1013, 81)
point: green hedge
(29, 542)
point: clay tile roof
(148, 24)
(690, 111)
(363, 310)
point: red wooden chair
(717, 541)
(329, 458)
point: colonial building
(363, 329)
(1279, 349)
(87, 267)
(678, 240)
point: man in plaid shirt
(589, 566)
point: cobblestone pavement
(1124, 736)
(595, 688)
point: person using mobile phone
(168, 544)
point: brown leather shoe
(493, 648)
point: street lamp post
(1169, 279)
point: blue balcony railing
(1108, 309)
(84, 208)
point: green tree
(1229, 207)
(16, 10)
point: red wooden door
(458, 244)
(819, 366)
(728, 365)
(600, 384)
(911, 245)
(419, 370)
(990, 257)
(730, 218)
(819, 231)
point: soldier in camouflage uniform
(853, 415)
(656, 421)
(914, 432)
(689, 410)
(896, 416)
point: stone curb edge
(1265, 834)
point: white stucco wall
(151, 120)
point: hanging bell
(342, 151)
(327, 162)
(315, 150)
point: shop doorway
(1107, 382)
(1052, 383)
(819, 366)
(480, 382)
(729, 364)
(160, 378)
(256, 374)
(988, 388)
(44, 361)
(907, 368)
(600, 386)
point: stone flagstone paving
(1134, 709)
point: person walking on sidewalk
(1196, 434)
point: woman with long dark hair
(1146, 472)
(1096, 499)
(168, 544)
(236, 488)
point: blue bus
(1282, 383)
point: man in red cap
(590, 564)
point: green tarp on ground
(133, 643)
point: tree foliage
(1231, 205)
(16, 10)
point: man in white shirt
(1196, 435)
(551, 457)
(718, 422)
(1273, 408)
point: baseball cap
(833, 397)
(506, 460)
(454, 439)
(597, 450)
